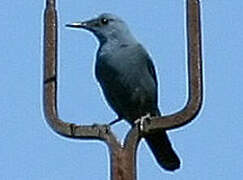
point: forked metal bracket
(123, 158)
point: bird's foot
(141, 121)
(115, 121)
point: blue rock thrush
(127, 76)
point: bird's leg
(141, 121)
(115, 121)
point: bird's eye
(104, 21)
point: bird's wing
(151, 70)
(149, 63)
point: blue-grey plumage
(128, 79)
(127, 82)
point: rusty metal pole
(123, 157)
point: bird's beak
(77, 25)
(89, 25)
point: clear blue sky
(211, 147)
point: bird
(127, 76)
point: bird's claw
(141, 121)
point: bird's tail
(162, 149)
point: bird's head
(105, 27)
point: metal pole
(123, 158)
